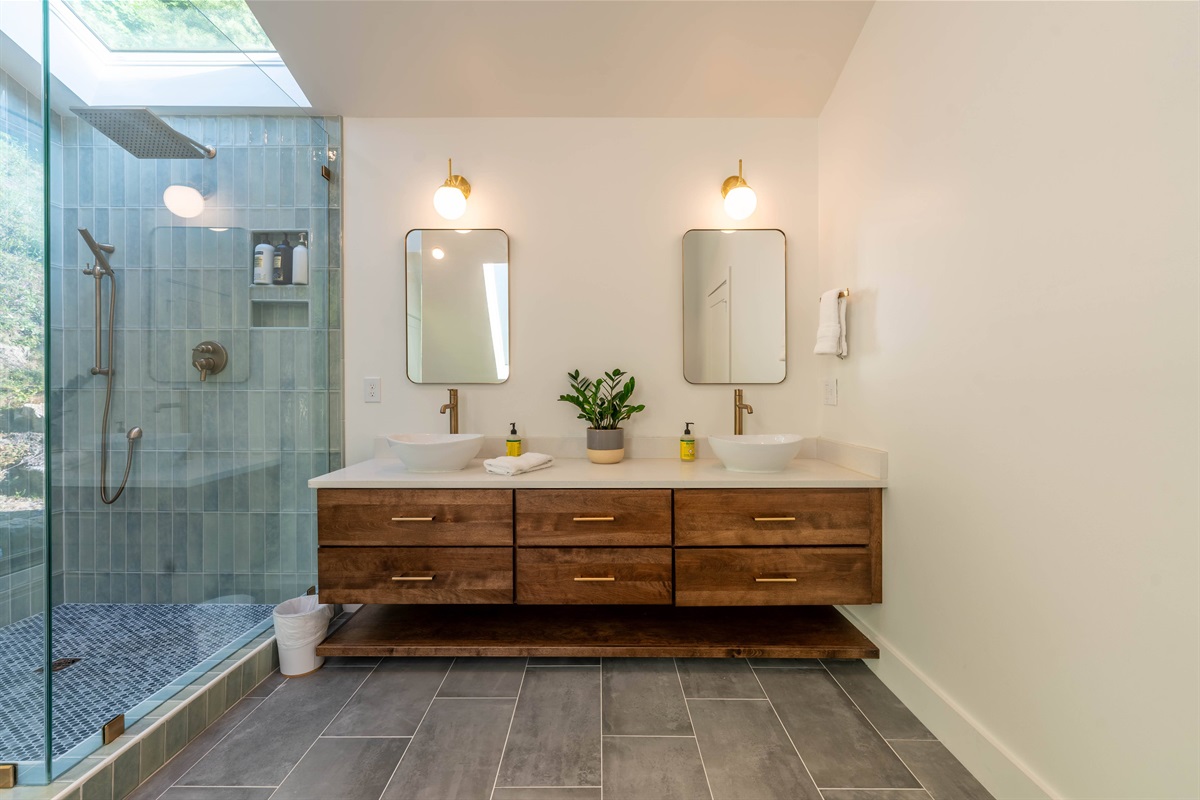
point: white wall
(1010, 192)
(595, 210)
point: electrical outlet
(371, 390)
(829, 391)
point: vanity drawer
(594, 517)
(594, 575)
(414, 517)
(415, 574)
(725, 517)
(770, 576)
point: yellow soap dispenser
(512, 445)
(687, 443)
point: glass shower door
(25, 212)
(211, 407)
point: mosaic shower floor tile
(126, 652)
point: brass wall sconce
(740, 200)
(450, 199)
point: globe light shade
(740, 202)
(438, 253)
(450, 202)
(183, 201)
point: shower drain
(59, 664)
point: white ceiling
(564, 58)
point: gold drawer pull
(774, 580)
(412, 577)
(774, 519)
(595, 579)
(594, 519)
(412, 519)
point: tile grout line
(336, 736)
(646, 736)
(417, 729)
(775, 711)
(318, 736)
(507, 733)
(695, 736)
(729, 699)
(877, 733)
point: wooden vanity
(543, 570)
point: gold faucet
(452, 407)
(738, 407)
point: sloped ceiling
(564, 58)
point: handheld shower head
(99, 251)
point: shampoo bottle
(281, 275)
(264, 260)
(512, 446)
(687, 443)
(300, 261)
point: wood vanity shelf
(581, 571)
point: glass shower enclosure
(161, 410)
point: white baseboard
(1000, 770)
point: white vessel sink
(758, 453)
(435, 452)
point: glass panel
(163, 26)
(155, 582)
(23, 215)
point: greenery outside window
(173, 26)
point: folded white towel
(516, 465)
(831, 327)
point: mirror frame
(683, 307)
(508, 261)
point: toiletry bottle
(264, 260)
(687, 443)
(282, 274)
(512, 446)
(300, 261)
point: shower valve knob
(209, 358)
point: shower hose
(135, 432)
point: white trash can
(300, 625)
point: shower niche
(279, 275)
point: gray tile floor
(563, 729)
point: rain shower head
(142, 133)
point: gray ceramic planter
(605, 447)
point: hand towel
(831, 327)
(517, 465)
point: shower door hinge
(326, 173)
(110, 730)
(8, 776)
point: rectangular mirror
(457, 288)
(734, 306)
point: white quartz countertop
(579, 473)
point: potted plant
(605, 405)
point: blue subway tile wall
(217, 504)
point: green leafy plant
(603, 403)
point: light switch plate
(371, 390)
(829, 391)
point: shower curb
(117, 769)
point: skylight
(173, 26)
